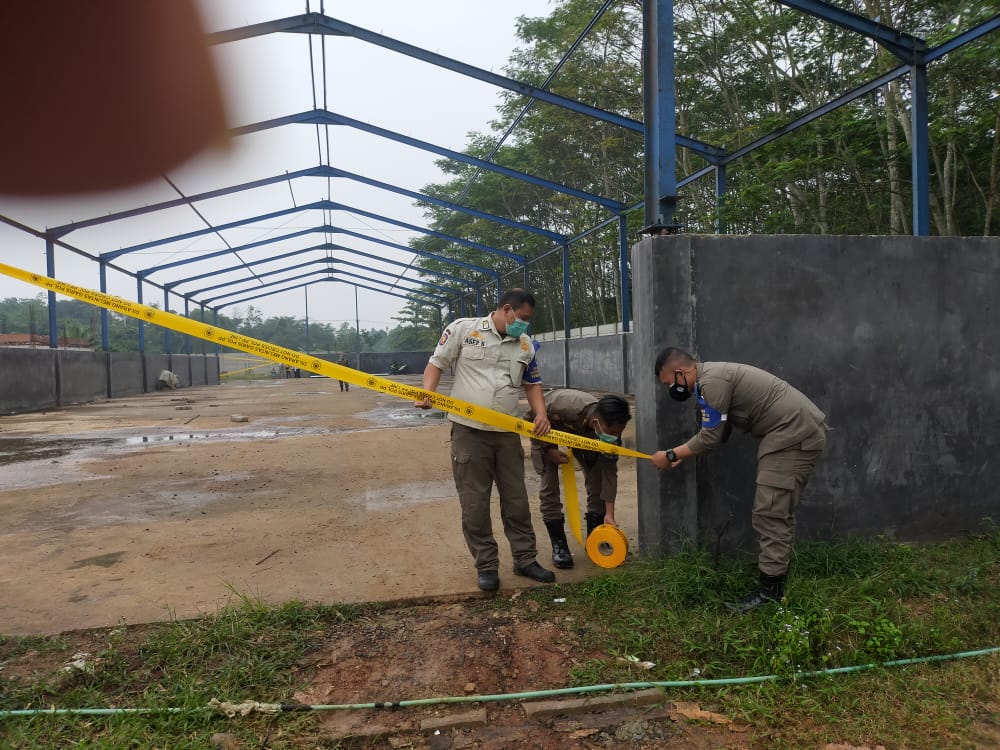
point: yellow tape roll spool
(607, 546)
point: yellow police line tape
(572, 496)
(290, 357)
(230, 373)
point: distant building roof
(34, 339)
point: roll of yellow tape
(607, 546)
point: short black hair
(613, 410)
(516, 298)
(669, 356)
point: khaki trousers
(781, 477)
(480, 459)
(550, 501)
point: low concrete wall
(83, 376)
(378, 362)
(599, 363)
(895, 338)
(27, 380)
(126, 374)
(157, 363)
(33, 379)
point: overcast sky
(269, 77)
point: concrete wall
(127, 374)
(378, 362)
(32, 379)
(155, 364)
(596, 363)
(27, 380)
(895, 338)
(83, 376)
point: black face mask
(679, 390)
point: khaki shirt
(568, 410)
(735, 395)
(489, 368)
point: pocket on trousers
(538, 461)
(776, 479)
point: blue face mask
(517, 328)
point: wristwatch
(671, 456)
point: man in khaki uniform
(792, 433)
(579, 413)
(492, 357)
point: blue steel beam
(334, 206)
(318, 171)
(323, 117)
(323, 246)
(920, 151)
(962, 39)
(905, 47)
(554, 236)
(659, 113)
(316, 23)
(228, 251)
(840, 101)
(320, 281)
(329, 262)
(311, 274)
(327, 229)
(177, 202)
(321, 205)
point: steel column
(105, 338)
(166, 331)
(306, 290)
(920, 154)
(721, 226)
(566, 314)
(658, 109)
(50, 270)
(142, 326)
(623, 271)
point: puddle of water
(401, 495)
(395, 415)
(189, 436)
(18, 450)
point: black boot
(561, 557)
(593, 521)
(770, 589)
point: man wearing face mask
(792, 434)
(579, 413)
(492, 358)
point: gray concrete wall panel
(895, 338)
(126, 373)
(155, 364)
(378, 362)
(27, 380)
(83, 376)
(598, 363)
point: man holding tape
(492, 357)
(792, 433)
(579, 413)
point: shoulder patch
(444, 337)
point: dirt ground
(162, 506)
(168, 505)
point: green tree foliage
(744, 68)
(80, 320)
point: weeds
(847, 604)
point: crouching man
(579, 413)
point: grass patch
(847, 604)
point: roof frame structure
(660, 134)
